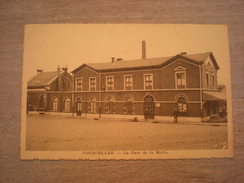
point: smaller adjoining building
(156, 87)
(50, 91)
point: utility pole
(201, 97)
(100, 96)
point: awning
(213, 95)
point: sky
(48, 45)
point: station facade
(156, 87)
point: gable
(63, 75)
(85, 71)
(78, 69)
(210, 64)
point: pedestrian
(146, 114)
(175, 116)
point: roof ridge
(139, 59)
(149, 62)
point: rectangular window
(79, 84)
(213, 80)
(148, 81)
(182, 107)
(180, 79)
(207, 80)
(109, 83)
(92, 84)
(128, 82)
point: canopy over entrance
(214, 96)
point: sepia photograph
(126, 91)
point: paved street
(62, 133)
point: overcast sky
(48, 45)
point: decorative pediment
(209, 68)
(180, 68)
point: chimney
(112, 59)
(144, 56)
(183, 53)
(65, 69)
(39, 70)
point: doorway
(149, 107)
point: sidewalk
(127, 119)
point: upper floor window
(68, 84)
(92, 84)
(128, 82)
(207, 80)
(180, 77)
(110, 83)
(148, 81)
(213, 79)
(62, 84)
(79, 84)
(65, 84)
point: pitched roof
(128, 63)
(42, 79)
(141, 63)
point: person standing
(146, 114)
(175, 115)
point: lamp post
(46, 89)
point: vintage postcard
(126, 91)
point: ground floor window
(92, 106)
(109, 106)
(67, 105)
(78, 104)
(181, 105)
(128, 106)
(148, 107)
(55, 104)
(41, 102)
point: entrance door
(149, 107)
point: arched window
(68, 84)
(55, 104)
(181, 105)
(66, 104)
(128, 107)
(41, 102)
(63, 84)
(109, 106)
(92, 106)
(149, 107)
(78, 104)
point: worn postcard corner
(126, 91)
